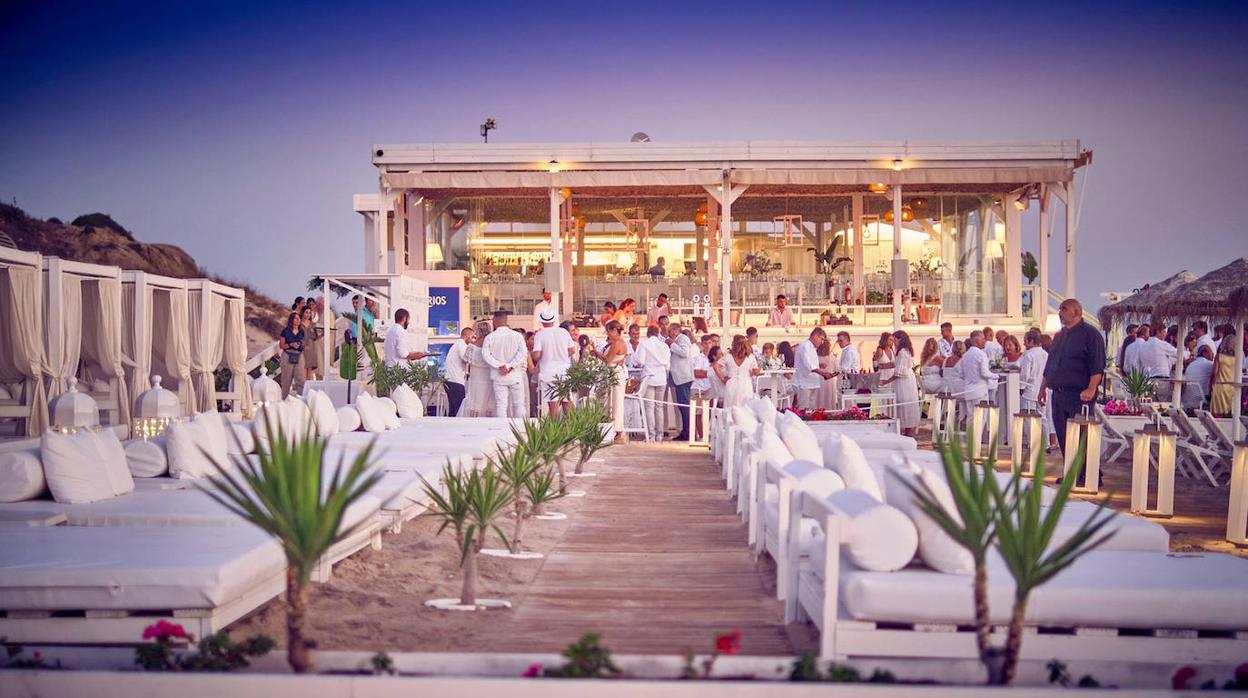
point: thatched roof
(1141, 302)
(1239, 302)
(1208, 296)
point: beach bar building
(872, 233)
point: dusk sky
(239, 131)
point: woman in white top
(932, 364)
(905, 386)
(737, 371)
(825, 397)
(954, 384)
(882, 359)
(480, 398)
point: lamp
(154, 410)
(1237, 513)
(1140, 455)
(265, 391)
(995, 249)
(433, 253)
(1077, 429)
(985, 415)
(72, 410)
(554, 166)
(878, 188)
(897, 164)
(944, 415)
(1031, 424)
(919, 203)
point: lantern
(72, 410)
(1029, 423)
(1237, 513)
(154, 411)
(265, 390)
(1079, 428)
(1165, 470)
(919, 203)
(944, 414)
(699, 218)
(985, 416)
(878, 188)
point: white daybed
(105, 585)
(24, 400)
(1110, 605)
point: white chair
(1193, 451)
(1113, 442)
(1221, 440)
(634, 401)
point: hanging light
(907, 214)
(154, 410)
(72, 410)
(1140, 455)
(699, 218)
(565, 192)
(878, 188)
(580, 222)
(1085, 425)
(1028, 423)
(919, 203)
(1237, 513)
(897, 164)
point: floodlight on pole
(486, 127)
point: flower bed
(1121, 408)
(849, 414)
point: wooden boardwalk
(655, 561)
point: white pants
(509, 399)
(656, 412)
(807, 398)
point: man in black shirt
(1075, 366)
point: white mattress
(1104, 589)
(874, 440)
(74, 568)
(418, 442)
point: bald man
(1073, 370)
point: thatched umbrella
(1206, 297)
(1239, 302)
(1141, 302)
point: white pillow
(937, 549)
(813, 478)
(183, 444)
(147, 458)
(113, 457)
(764, 410)
(744, 418)
(841, 454)
(770, 449)
(296, 419)
(21, 475)
(391, 412)
(407, 402)
(323, 414)
(799, 438)
(71, 464)
(348, 419)
(241, 440)
(217, 443)
(874, 536)
(372, 413)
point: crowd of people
(1208, 362)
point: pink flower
(37, 655)
(1179, 682)
(163, 629)
(534, 671)
(728, 643)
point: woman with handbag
(291, 356)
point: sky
(240, 130)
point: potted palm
(548, 441)
(469, 503)
(289, 492)
(519, 469)
(1140, 388)
(349, 365)
(589, 434)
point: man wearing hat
(553, 350)
(505, 352)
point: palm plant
(827, 261)
(290, 493)
(540, 490)
(1138, 385)
(593, 377)
(589, 436)
(471, 505)
(517, 467)
(547, 441)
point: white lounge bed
(104, 585)
(1110, 605)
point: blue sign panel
(444, 309)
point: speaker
(901, 274)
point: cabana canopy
(1239, 302)
(1209, 296)
(1143, 301)
(22, 359)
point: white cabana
(22, 362)
(82, 338)
(156, 318)
(218, 339)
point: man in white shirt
(681, 373)
(1200, 373)
(781, 315)
(545, 304)
(981, 382)
(991, 347)
(1157, 357)
(505, 352)
(655, 358)
(944, 345)
(850, 363)
(1031, 370)
(1131, 356)
(553, 349)
(807, 376)
(397, 346)
(632, 359)
(456, 373)
(702, 371)
(661, 308)
(1203, 339)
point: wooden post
(1011, 259)
(400, 232)
(859, 267)
(556, 252)
(417, 233)
(382, 230)
(1043, 292)
(1070, 239)
(725, 246)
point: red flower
(534, 671)
(1179, 682)
(163, 629)
(728, 643)
(1241, 672)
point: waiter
(1074, 368)
(396, 346)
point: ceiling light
(554, 166)
(897, 164)
(877, 188)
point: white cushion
(764, 410)
(4, 393)
(372, 413)
(744, 418)
(841, 454)
(769, 448)
(296, 419)
(407, 402)
(799, 438)
(390, 411)
(75, 467)
(814, 479)
(183, 444)
(147, 458)
(874, 536)
(324, 416)
(938, 551)
(113, 457)
(21, 475)
(348, 419)
(241, 440)
(218, 439)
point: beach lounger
(1195, 452)
(70, 584)
(1110, 605)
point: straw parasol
(1239, 302)
(1208, 296)
(1141, 302)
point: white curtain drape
(102, 337)
(207, 335)
(172, 328)
(137, 336)
(21, 351)
(61, 360)
(235, 351)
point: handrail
(1087, 317)
(260, 357)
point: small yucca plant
(291, 493)
(472, 502)
(1138, 385)
(548, 441)
(587, 423)
(516, 467)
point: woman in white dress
(905, 386)
(954, 384)
(825, 398)
(932, 363)
(479, 401)
(882, 360)
(613, 353)
(737, 371)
